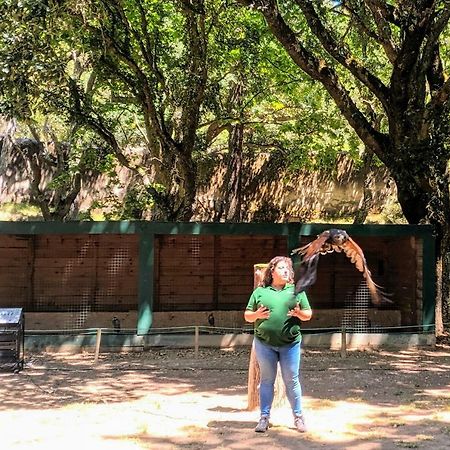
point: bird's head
(338, 237)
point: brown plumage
(329, 241)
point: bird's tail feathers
(307, 274)
(378, 294)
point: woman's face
(280, 273)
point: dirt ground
(172, 399)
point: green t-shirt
(279, 329)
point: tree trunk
(367, 199)
(55, 202)
(442, 310)
(232, 185)
(231, 189)
(424, 205)
(187, 188)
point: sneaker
(299, 423)
(263, 424)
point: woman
(277, 315)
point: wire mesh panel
(83, 274)
(356, 311)
(117, 273)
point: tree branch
(141, 85)
(150, 57)
(320, 71)
(355, 17)
(342, 54)
(388, 12)
(384, 30)
(431, 60)
(197, 69)
(407, 71)
(436, 103)
(148, 95)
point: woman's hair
(267, 279)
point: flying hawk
(329, 241)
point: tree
(154, 56)
(408, 85)
(258, 106)
(35, 96)
(137, 63)
(158, 88)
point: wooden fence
(151, 267)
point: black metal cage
(12, 339)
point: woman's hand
(261, 313)
(302, 314)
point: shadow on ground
(175, 399)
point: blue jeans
(289, 358)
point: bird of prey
(329, 241)
(116, 324)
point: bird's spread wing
(356, 255)
(313, 248)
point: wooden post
(253, 381)
(253, 369)
(343, 342)
(258, 274)
(97, 344)
(196, 339)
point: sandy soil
(173, 399)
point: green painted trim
(197, 228)
(375, 230)
(124, 227)
(293, 229)
(111, 342)
(39, 341)
(429, 282)
(146, 283)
